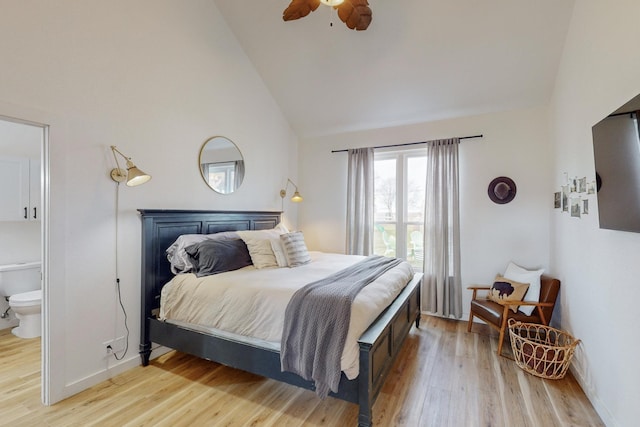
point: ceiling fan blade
(355, 13)
(299, 9)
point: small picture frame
(591, 187)
(575, 207)
(557, 200)
(565, 198)
(582, 185)
(585, 206)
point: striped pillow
(294, 248)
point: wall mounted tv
(616, 148)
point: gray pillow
(217, 256)
(179, 259)
(295, 249)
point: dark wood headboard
(160, 228)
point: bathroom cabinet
(19, 189)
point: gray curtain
(360, 202)
(239, 173)
(442, 287)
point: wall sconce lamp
(297, 198)
(132, 176)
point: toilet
(21, 284)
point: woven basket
(541, 350)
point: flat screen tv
(616, 148)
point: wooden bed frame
(379, 344)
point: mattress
(251, 302)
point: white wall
(599, 269)
(20, 242)
(155, 78)
(515, 144)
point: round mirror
(221, 165)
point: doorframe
(44, 253)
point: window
(220, 176)
(400, 178)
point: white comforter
(252, 302)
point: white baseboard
(598, 405)
(111, 370)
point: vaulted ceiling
(419, 60)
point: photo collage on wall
(573, 196)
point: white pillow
(259, 244)
(261, 253)
(532, 277)
(278, 251)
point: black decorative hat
(502, 190)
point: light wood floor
(443, 377)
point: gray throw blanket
(317, 319)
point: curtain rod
(408, 143)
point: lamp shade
(296, 197)
(136, 177)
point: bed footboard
(381, 343)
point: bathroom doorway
(24, 236)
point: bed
(378, 346)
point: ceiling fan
(356, 14)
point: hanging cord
(331, 15)
(126, 340)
